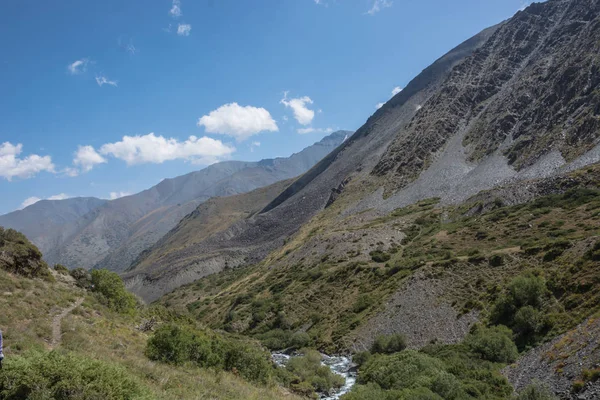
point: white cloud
(32, 200)
(379, 5)
(158, 149)
(304, 131)
(103, 80)
(85, 158)
(29, 201)
(254, 145)
(78, 66)
(118, 195)
(12, 166)
(175, 10)
(395, 91)
(184, 29)
(302, 113)
(237, 121)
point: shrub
(496, 260)
(379, 256)
(308, 369)
(361, 357)
(535, 391)
(20, 256)
(363, 302)
(389, 344)
(112, 289)
(61, 269)
(176, 345)
(82, 277)
(411, 370)
(528, 321)
(54, 375)
(299, 340)
(492, 344)
(524, 290)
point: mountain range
(95, 233)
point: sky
(107, 98)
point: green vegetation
(436, 372)
(388, 344)
(111, 287)
(535, 391)
(492, 344)
(61, 269)
(57, 375)
(20, 256)
(178, 345)
(305, 374)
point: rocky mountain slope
(111, 234)
(471, 197)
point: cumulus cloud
(379, 105)
(11, 165)
(304, 131)
(32, 200)
(175, 10)
(237, 121)
(85, 158)
(379, 5)
(78, 66)
(302, 113)
(184, 29)
(158, 149)
(103, 80)
(118, 195)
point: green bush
(65, 376)
(528, 321)
(411, 370)
(363, 302)
(61, 269)
(20, 256)
(308, 369)
(177, 345)
(379, 256)
(492, 344)
(535, 391)
(524, 290)
(388, 344)
(82, 277)
(496, 260)
(361, 357)
(112, 289)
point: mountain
(463, 214)
(49, 222)
(111, 234)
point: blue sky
(105, 98)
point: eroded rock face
(559, 363)
(534, 87)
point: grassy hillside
(94, 350)
(343, 280)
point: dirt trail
(57, 321)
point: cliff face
(529, 91)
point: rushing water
(338, 364)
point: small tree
(111, 287)
(389, 344)
(493, 344)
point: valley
(447, 249)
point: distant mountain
(48, 223)
(110, 234)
